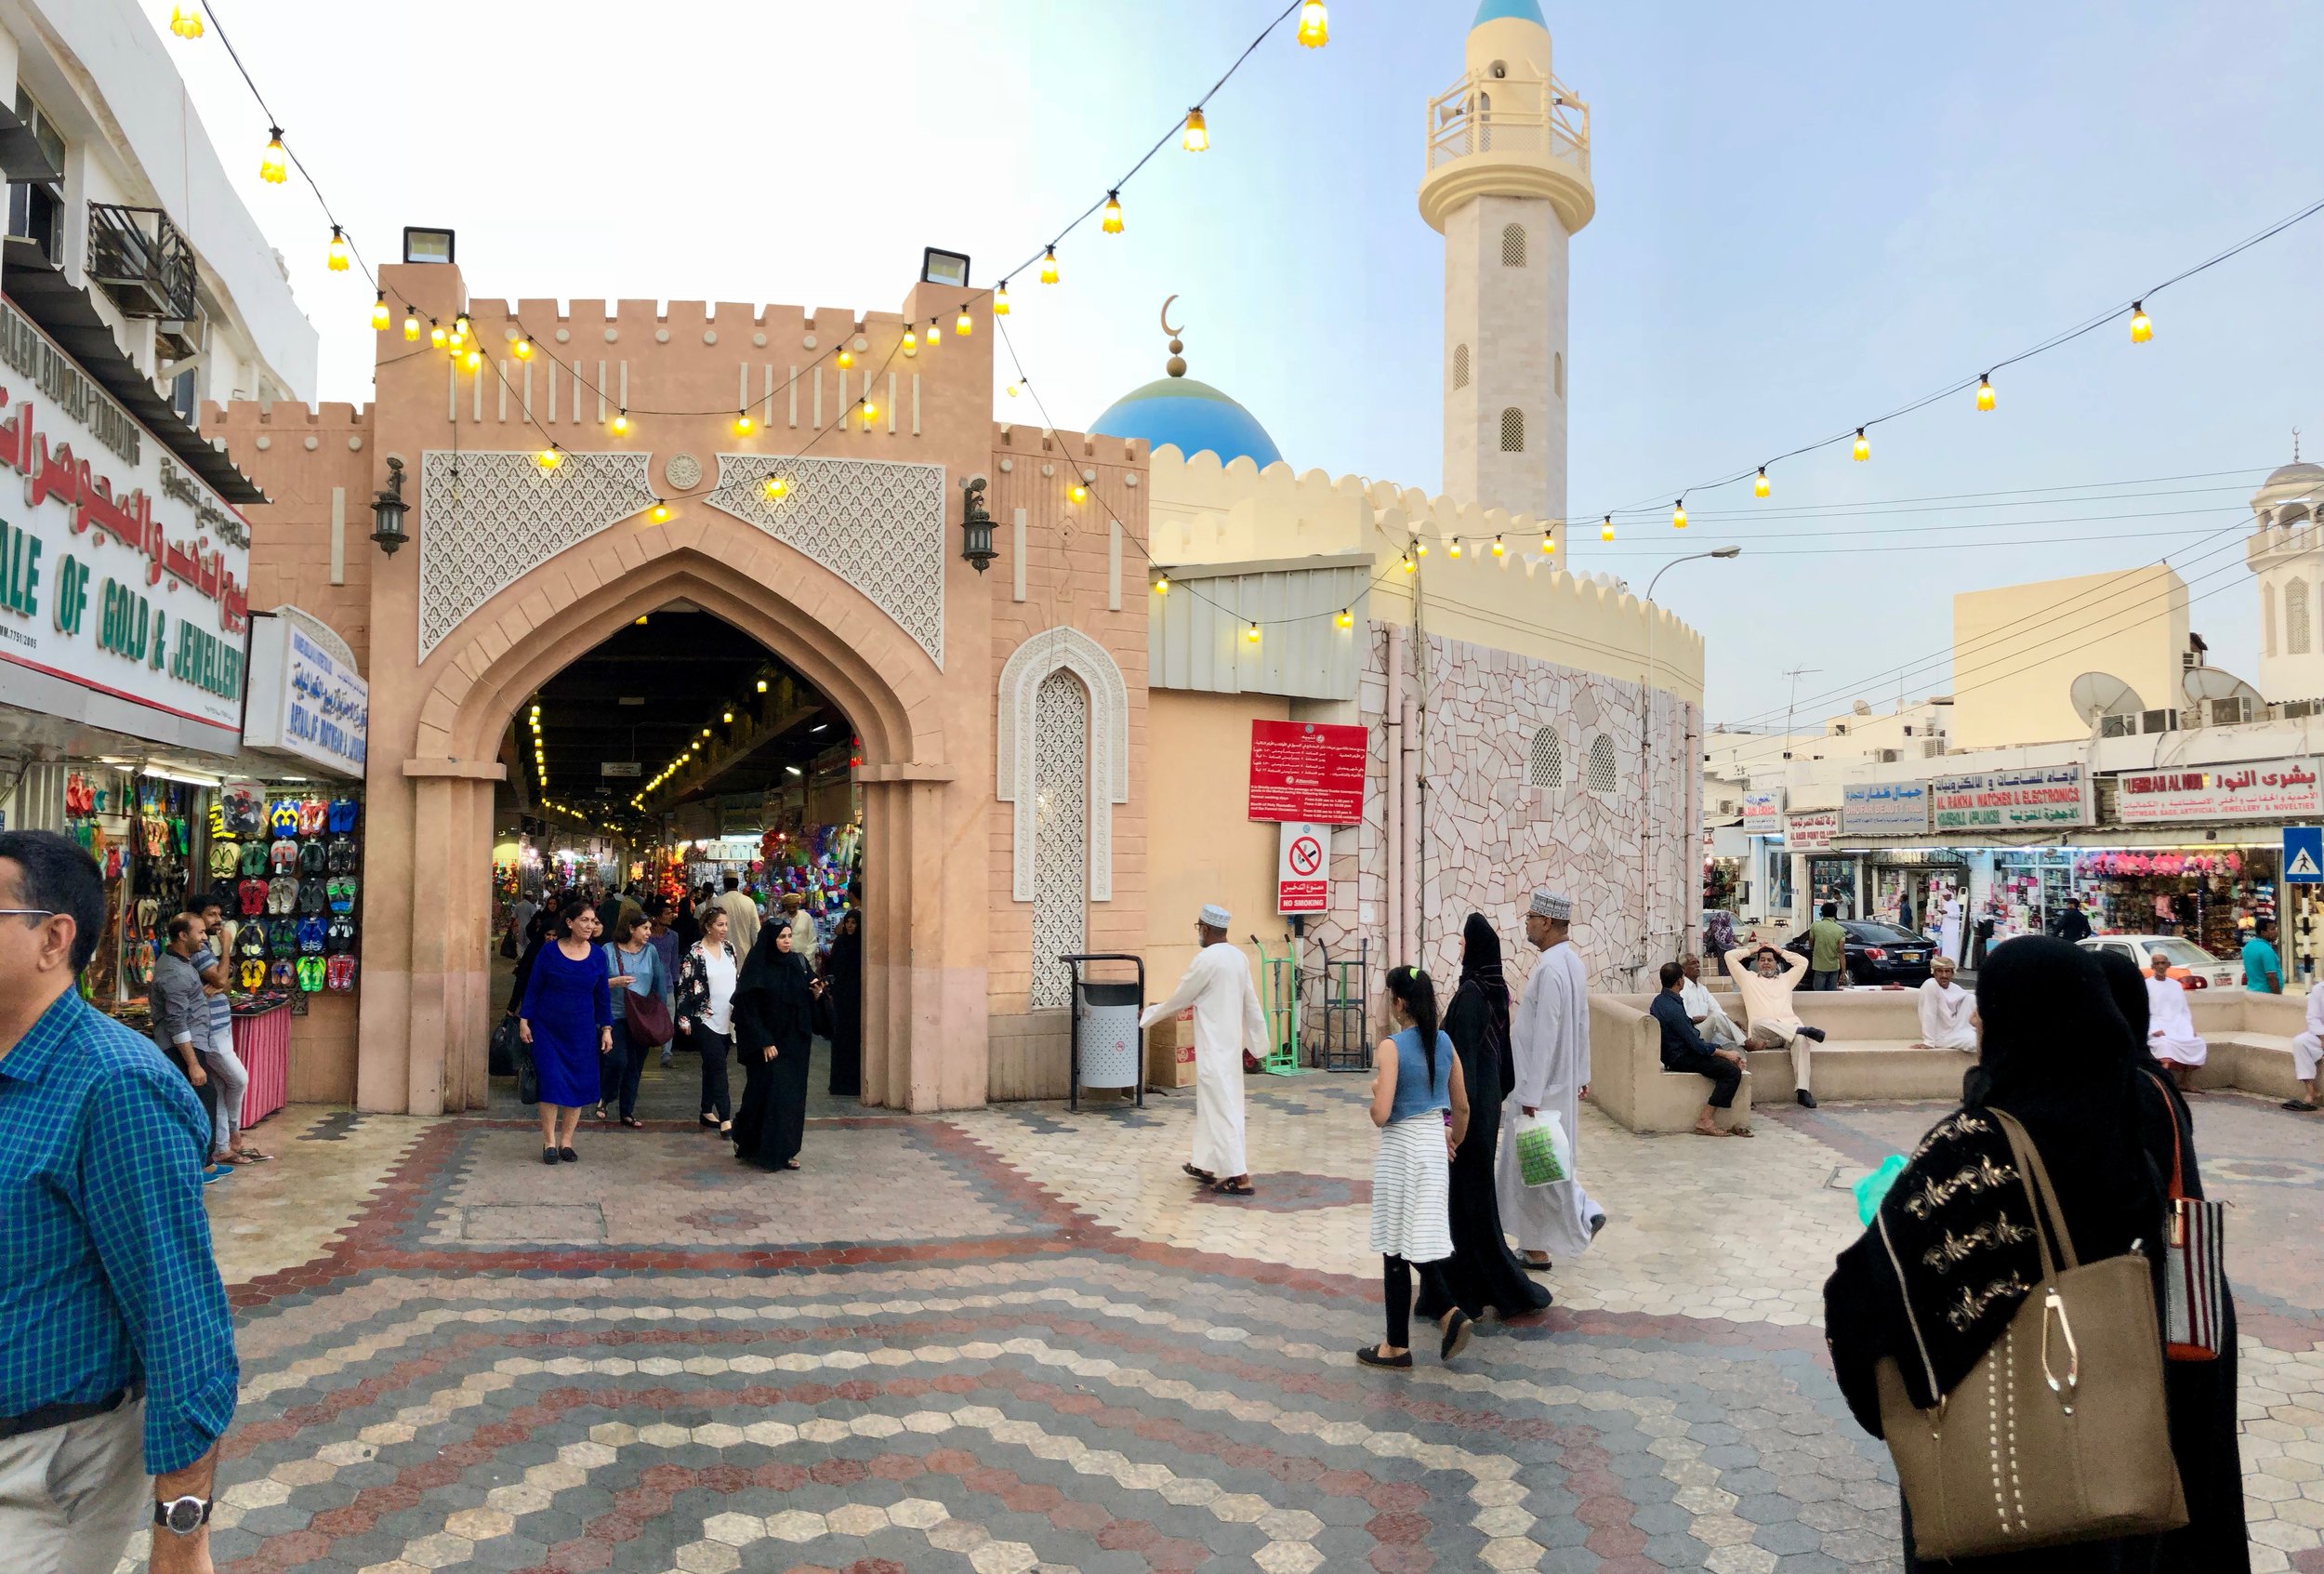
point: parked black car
(1879, 953)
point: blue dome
(1191, 416)
(1510, 10)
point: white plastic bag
(1545, 1156)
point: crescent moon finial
(1166, 320)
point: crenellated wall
(312, 545)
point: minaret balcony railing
(1485, 114)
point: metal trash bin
(1108, 1049)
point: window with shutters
(1460, 365)
(1513, 246)
(2295, 617)
(1604, 777)
(2268, 623)
(1512, 430)
(1545, 763)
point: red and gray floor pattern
(927, 1351)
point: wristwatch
(183, 1515)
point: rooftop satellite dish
(1862, 708)
(2217, 683)
(2102, 694)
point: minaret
(1507, 184)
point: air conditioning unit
(1890, 756)
(2233, 712)
(2293, 709)
(1931, 749)
(2122, 726)
(2159, 720)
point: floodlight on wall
(388, 508)
(943, 267)
(424, 244)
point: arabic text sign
(1885, 809)
(1307, 770)
(1302, 868)
(305, 697)
(1810, 830)
(2267, 791)
(1762, 812)
(2036, 796)
(118, 571)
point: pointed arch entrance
(424, 1048)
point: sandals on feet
(1232, 1188)
(633, 1122)
(1205, 1176)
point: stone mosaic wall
(1488, 835)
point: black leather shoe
(568, 1155)
(1807, 1099)
(548, 1156)
(1371, 1357)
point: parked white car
(2190, 964)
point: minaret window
(2267, 621)
(1557, 372)
(2295, 617)
(1512, 430)
(1460, 365)
(1513, 246)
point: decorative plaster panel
(1061, 811)
(1048, 651)
(488, 518)
(878, 524)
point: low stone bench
(1626, 1076)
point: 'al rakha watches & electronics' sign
(2029, 797)
(119, 572)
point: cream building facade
(2285, 554)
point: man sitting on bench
(1684, 1051)
(1765, 978)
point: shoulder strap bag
(2195, 1270)
(2059, 1432)
(643, 1016)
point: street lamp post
(1646, 759)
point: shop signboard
(306, 699)
(1307, 770)
(1810, 830)
(120, 573)
(2269, 790)
(1302, 868)
(1763, 813)
(1885, 809)
(2030, 798)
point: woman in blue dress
(567, 1016)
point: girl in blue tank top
(1421, 1110)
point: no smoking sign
(1301, 883)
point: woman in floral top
(706, 1013)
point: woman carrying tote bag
(2010, 1350)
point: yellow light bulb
(336, 259)
(726, 716)
(435, 333)
(1421, 547)
(411, 325)
(1012, 391)
(742, 423)
(274, 164)
(1456, 546)
(2141, 328)
(1111, 222)
(379, 314)
(1251, 633)
(845, 359)
(1161, 584)
(474, 358)
(911, 340)
(1314, 25)
(1497, 546)
(1984, 392)
(961, 325)
(621, 423)
(184, 22)
(1605, 528)
(1000, 299)
(1049, 266)
(461, 327)
(1863, 449)
(660, 512)
(1549, 544)
(762, 685)
(871, 412)
(1078, 491)
(777, 486)
(1347, 618)
(548, 459)
(1678, 514)
(1759, 482)
(1404, 561)
(522, 349)
(1196, 138)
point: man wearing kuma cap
(1227, 1020)
(1548, 1050)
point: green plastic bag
(1543, 1157)
(1875, 1186)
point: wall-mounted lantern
(976, 525)
(388, 508)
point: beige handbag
(2059, 1432)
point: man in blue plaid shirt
(117, 1371)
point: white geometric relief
(1053, 650)
(1061, 794)
(878, 524)
(487, 519)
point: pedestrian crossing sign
(2304, 855)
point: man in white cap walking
(1227, 1020)
(1548, 1044)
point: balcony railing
(143, 260)
(1485, 114)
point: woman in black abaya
(1482, 1271)
(2202, 1394)
(2055, 1053)
(843, 984)
(774, 1031)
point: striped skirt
(1410, 1180)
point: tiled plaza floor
(1017, 1340)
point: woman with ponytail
(1420, 1104)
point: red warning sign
(1302, 883)
(1307, 770)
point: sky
(1808, 215)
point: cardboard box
(1170, 1051)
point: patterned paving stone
(1018, 1340)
